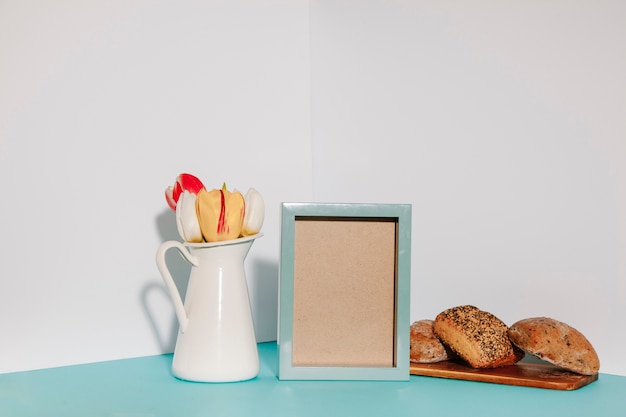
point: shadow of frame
(263, 292)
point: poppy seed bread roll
(478, 337)
(555, 342)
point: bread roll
(478, 337)
(425, 346)
(557, 343)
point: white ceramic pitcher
(216, 340)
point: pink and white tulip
(184, 182)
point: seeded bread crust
(478, 337)
(555, 342)
(425, 346)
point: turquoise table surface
(145, 387)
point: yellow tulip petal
(220, 214)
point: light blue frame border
(400, 372)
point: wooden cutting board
(525, 374)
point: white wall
(102, 105)
(502, 123)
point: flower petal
(176, 192)
(220, 214)
(189, 183)
(187, 218)
(184, 182)
(169, 197)
(255, 213)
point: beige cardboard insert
(344, 292)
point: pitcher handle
(179, 307)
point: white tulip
(255, 213)
(187, 219)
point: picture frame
(344, 300)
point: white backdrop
(502, 123)
(102, 106)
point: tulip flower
(187, 219)
(220, 214)
(214, 216)
(255, 213)
(184, 182)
